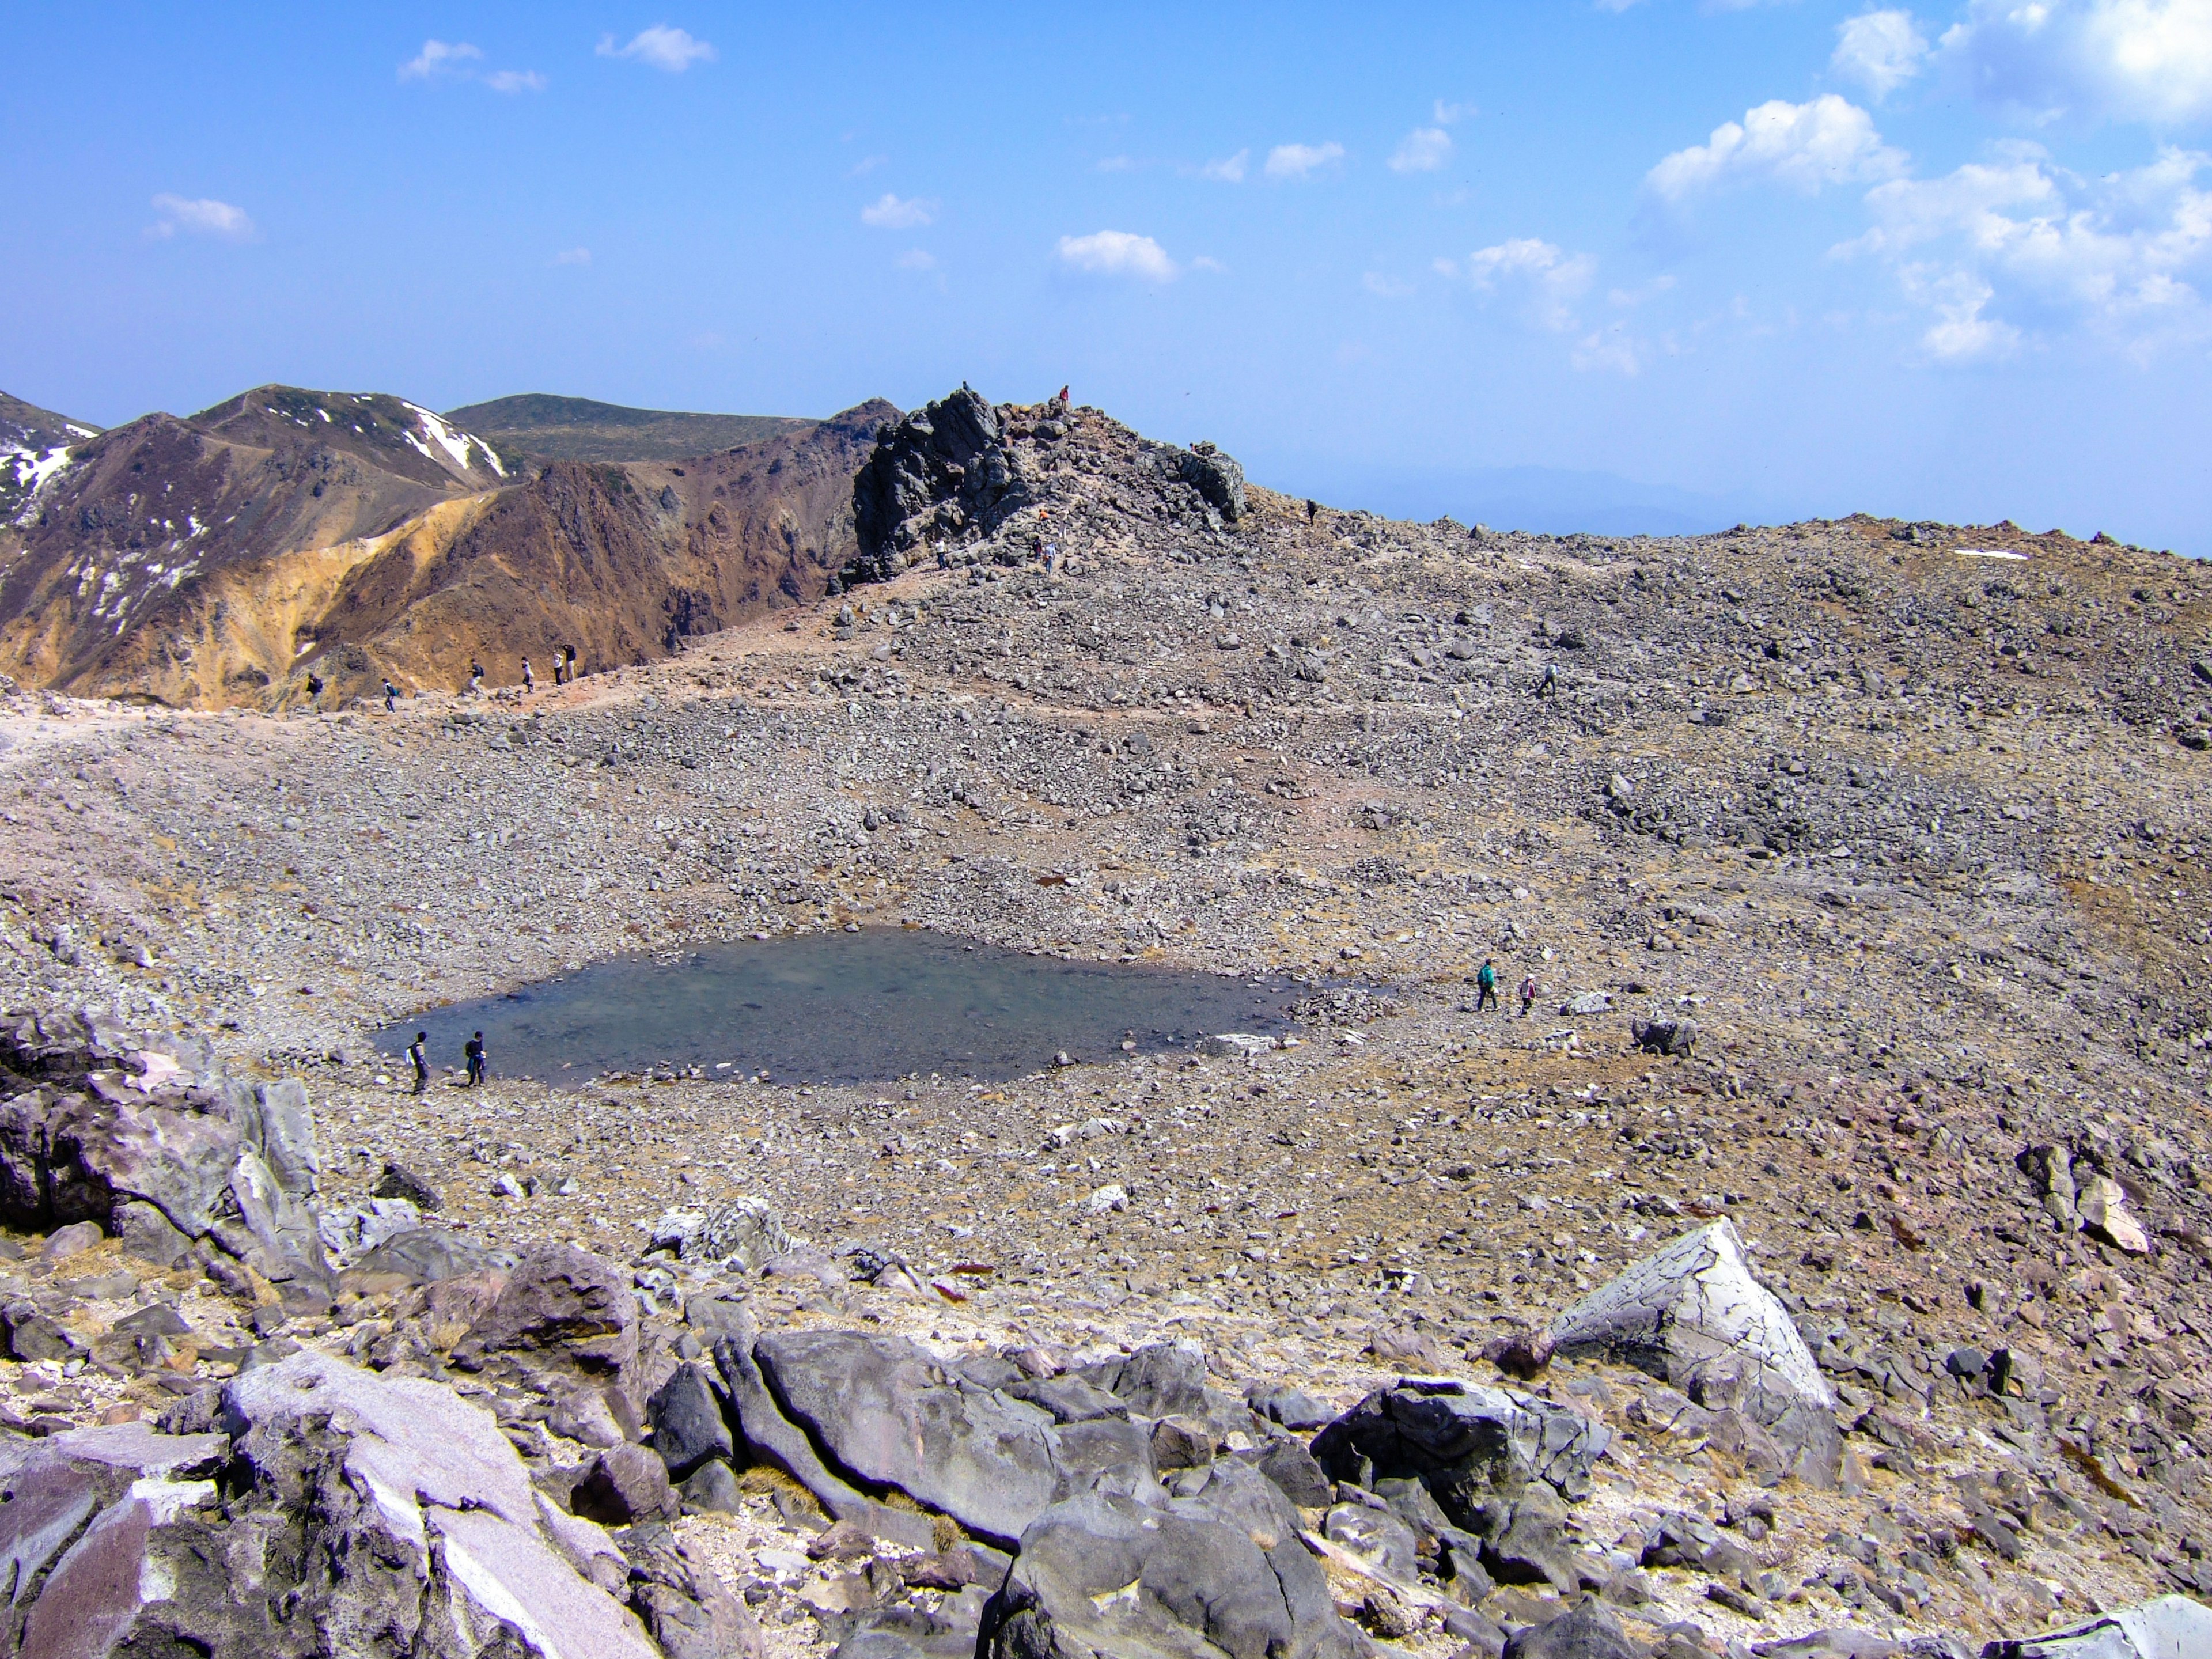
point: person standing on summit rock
(1485, 986)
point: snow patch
(455, 443)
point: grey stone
(1376, 1536)
(1217, 478)
(1291, 1468)
(773, 1438)
(1692, 1314)
(425, 1255)
(72, 1240)
(1069, 1399)
(410, 1526)
(685, 1608)
(1291, 1407)
(688, 1425)
(712, 1488)
(1677, 1037)
(625, 1483)
(2166, 1627)
(745, 1232)
(398, 1181)
(887, 1410)
(286, 1138)
(149, 1234)
(564, 1309)
(1162, 1379)
(1586, 1631)
(1462, 1441)
(1220, 1572)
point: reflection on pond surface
(844, 1007)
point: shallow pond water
(844, 1007)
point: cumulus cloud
(2000, 250)
(516, 80)
(2129, 60)
(1208, 262)
(1828, 140)
(915, 258)
(1548, 279)
(1386, 288)
(664, 48)
(1302, 161)
(1879, 51)
(1117, 253)
(573, 256)
(1229, 170)
(1423, 150)
(438, 58)
(889, 212)
(1449, 114)
(201, 216)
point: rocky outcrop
(1693, 1313)
(355, 1515)
(147, 1137)
(1463, 1442)
(2168, 1627)
(946, 471)
(1218, 1571)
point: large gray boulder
(357, 1514)
(887, 1412)
(1464, 1442)
(1220, 1574)
(2166, 1627)
(1692, 1314)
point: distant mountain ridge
(34, 444)
(286, 539)
(542, 427)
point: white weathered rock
(1693, 1313)
(1236, 1045)
(2165, 1627)
(2102, 1204)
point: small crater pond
(844, 1008)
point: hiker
(1313, 510)
(391, 698)
(1485, 986)
(472, 1051)
(476, 678)
(1549, 685)
(421, 1062)
(529, 680)
(572, 663)
(1527, 995)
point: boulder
(771, 1437)
(75, 1157)
(423, 1256)
(149, 1234)
(1162, 1379)
(888, 1413)
(1462, 1441)
(357, 1514)
(285, 1135)
(398, 1181)
(1291, 1466)
(746, 1233)
(1378, 1537)
(1585, 1631)
(2102, 1203)
(1678, 1037)
(1692, 1315)
(1217, 478)
(1218, 1573)
(563, 1309)
(2166, 1627)
(625, 1483)
(688, 1425)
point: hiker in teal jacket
(1485, 986)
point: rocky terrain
(1822, 1248)
(291, 548)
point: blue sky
(1540, 261)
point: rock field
(1861, 873)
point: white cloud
(916, 258)
(201, 217)
(1549, 280)
(865, 166)
(573, 256)
(1301, 160)
(1449, 114)
(664, 48)
(888, 212)
(1878, 50)
(1423, 150)
(2129, 60)
(1385, 288)
(1613, 350)
(1115, 164)
(1117, 253)
(1229, 170)
(438, 58)
(1828, 140)
(1998, 250)
(1208, 262)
